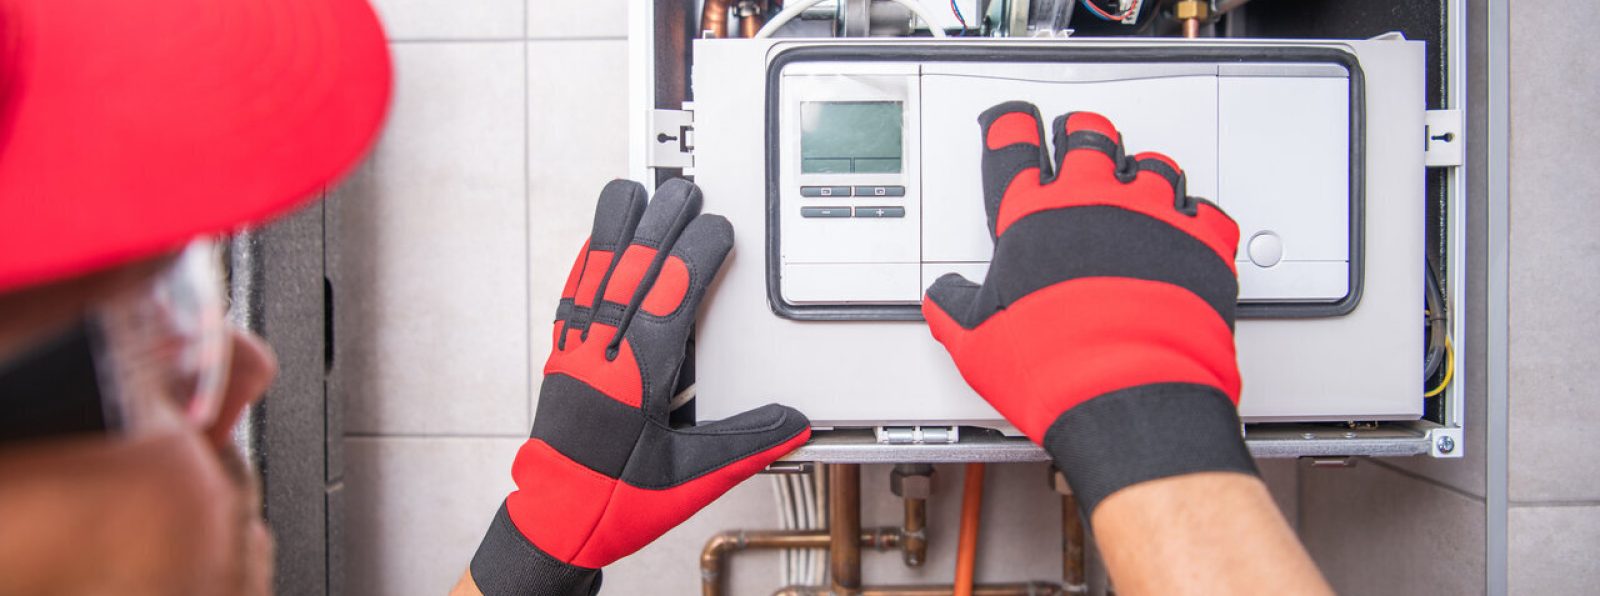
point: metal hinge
(671, 138)
(1443, 142)
(917, 435)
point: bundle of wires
(802, 505)
(1106, 15)
(1439, 351)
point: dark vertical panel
(675, 26)
(277, 291)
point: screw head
(1446, 444)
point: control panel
(865, 223)
(851, 172)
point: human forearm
(1208, 532)
(465, 586)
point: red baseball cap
(130, 127)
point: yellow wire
(1449, 369)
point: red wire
(1108, 16)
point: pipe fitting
(912, 481)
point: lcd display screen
(850, 137)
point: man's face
(175, 511)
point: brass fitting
(1192, 9)
(911, 481)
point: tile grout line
(1427, 480)
(1553, 504)
(527, 216)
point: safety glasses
(145, 358)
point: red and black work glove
(603, 474)
(1104, 329)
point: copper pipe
(1028, 589)
(752, 15)
(844, 525)
(714, 557)
(1191, 28)
(967, 547)
(914, 532)
(714, 19)
(1074, 580)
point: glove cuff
(508, 564)
(1145, 433)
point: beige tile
(577, 129)
(416, 509)
(427, 248)
(451, 19)
(1374, 530)
(1553, 249)
(593, 18)
(1552, 550)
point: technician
(133, 132)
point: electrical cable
(1436, 323)
(1101, 13)
(961, 19)
(790, 11)
(1450, 370)
(797, 557)
(808, 521)
(819, 481)
(780, 492)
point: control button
(1266, 249)
(824, 191)
(824, 212)
(880, 191)
(876, 212)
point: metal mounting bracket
(1444, 141)
(671, 139)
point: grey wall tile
(593, 18)
(576, 143)
(417, 508)
(1554, 247)
(1553, 550)
(452, 19)
(1374, 530)
(427, 249)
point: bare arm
(1210, 532)
(465, 586)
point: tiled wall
(1554, 489)
(448, 247)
